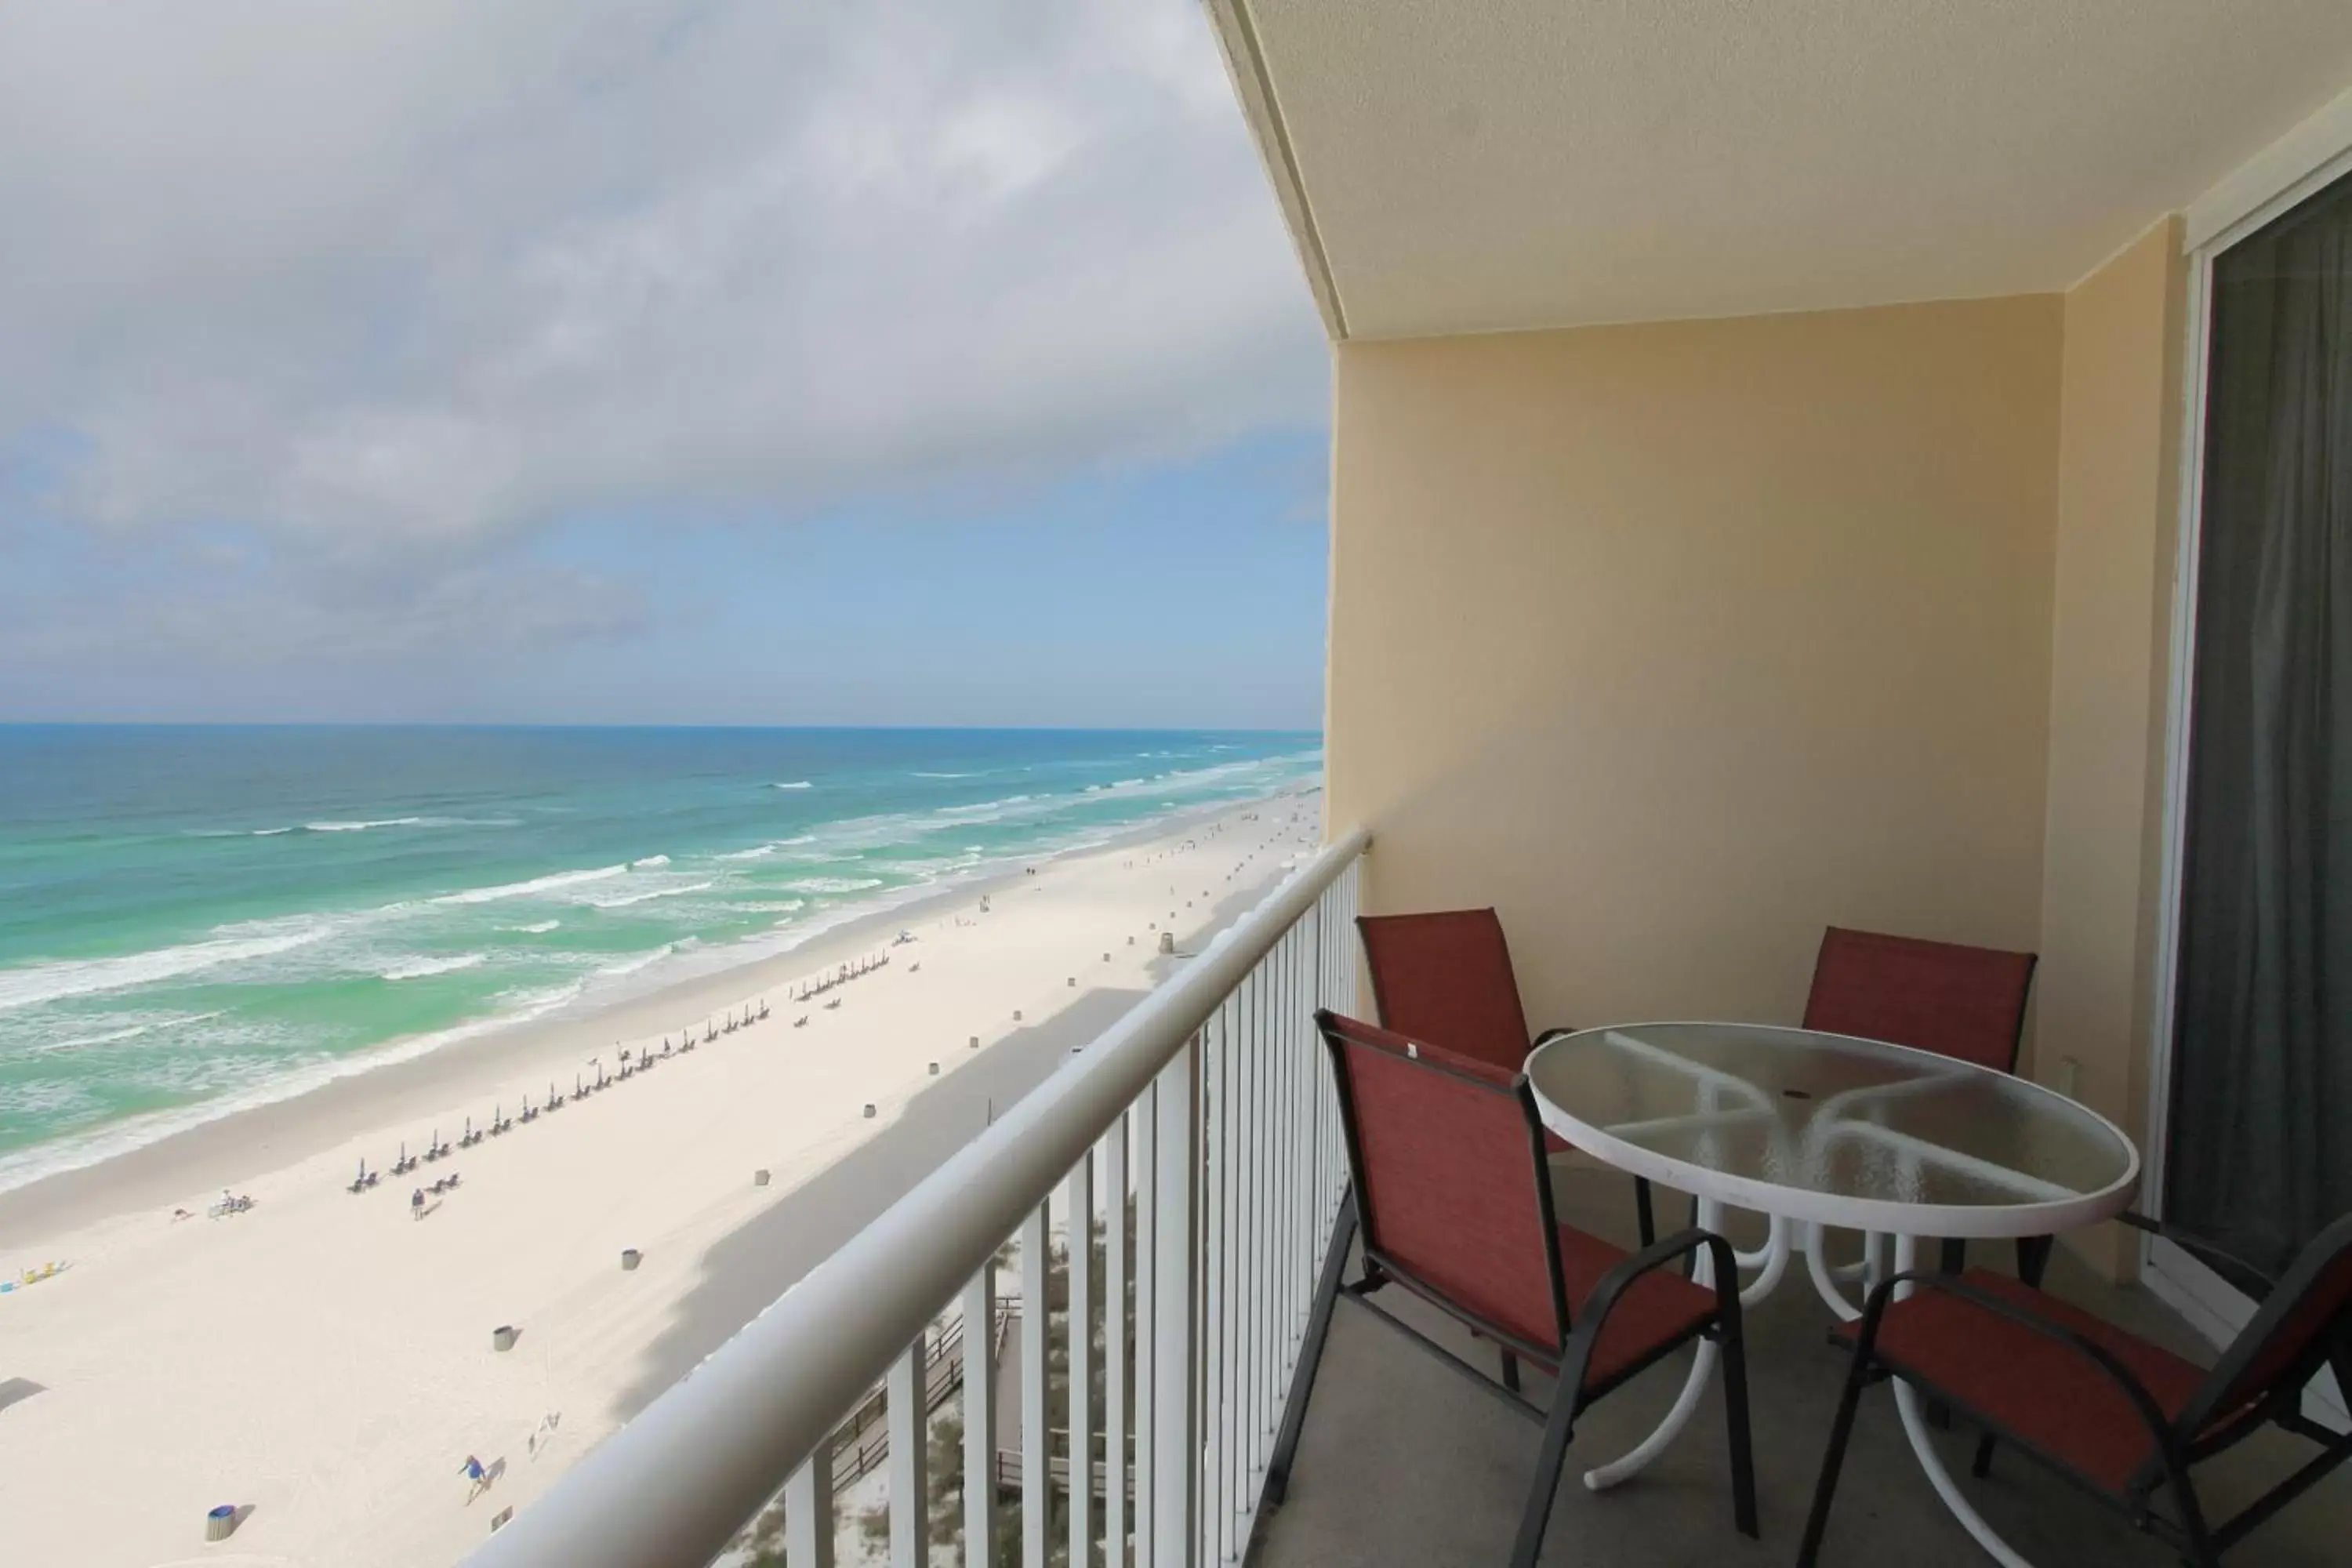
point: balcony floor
(1403, 1462)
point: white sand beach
(325, 1360)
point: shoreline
(325, 1360)
(382, 1085)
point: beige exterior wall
(2118, 468)
(1678, 642)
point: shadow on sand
(753, 1266)
(757, 1263)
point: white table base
(1772, 1263)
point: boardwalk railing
(1199, 1139)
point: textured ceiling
(1538, 162)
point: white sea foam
(362, 827)
(109, 1038)
(796, 784)
(30, 985)
(423, 967)
(74, 1152)
(630, 965)
(982, 810)
(757, 852)
(773, 907)
(833, 884)
(536, 928)
(625, 900)
(649, 863)
(535, 885)
(921, 774)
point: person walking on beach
(478, 1476)
(416, 1204)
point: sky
(649, 361)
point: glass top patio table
(1834, 1129)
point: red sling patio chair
(2116, 1415)
(1965, 1003)
(1447, 977)
(1454, 1199)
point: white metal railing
(1203, 1119)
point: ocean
(193, 918)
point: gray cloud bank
(334, 306)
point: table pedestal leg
(1826, 1277)
(1775, 1260)
(1922, 1444)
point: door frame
(2300, 163)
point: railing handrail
(675, 1485)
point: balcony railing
(1199, 1139)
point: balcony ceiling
(1449, 167)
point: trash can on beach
(221, 1522)
(502, 1338)
(631, 1257)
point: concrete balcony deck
(1402, 1462)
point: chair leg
(1981, 1466)
(2034, 1259)
(1832, 1462)
(1510, 1372)
(1735, 1415)
(1645, 1217)
(1310, 1353)
(1549, 1461)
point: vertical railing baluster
(1147, 1300)
(1287, 1244)
(1036, 1447)
(808, 1510)
(1079, 1226)
(1265, 1150)
(1221, 1223)
(1115, 1344)
(904, 1396)
(1242, 1241)
(1176, 1447)
(980, 1418)
(1264, 1200)
(1279, 1199)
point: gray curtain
(2261, 1148)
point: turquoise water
(195, 917)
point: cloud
(384, 289)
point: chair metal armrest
(1595, 1310)
(1552, 1034)
(2241, 1275)
(2159, 1427)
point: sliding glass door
(2258, 1141)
